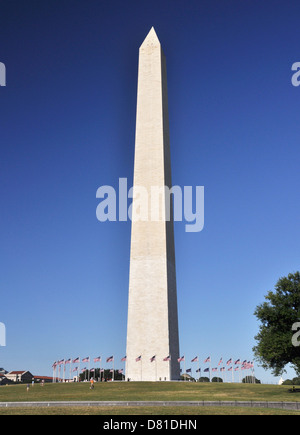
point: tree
(250, 380)
(204, 379)
(275, 349)
(217, 379)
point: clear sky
(67, 126)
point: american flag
(195, 359)
(76, 360)
(207, 359)
(237, 368)
(181, 359)
(206, 370)
(230, 369)
(68, 361)
(152, 358)
(168, 358)
(222, 369)
(238, 361)
(75, 369)
(229, 361)
(124, 358)
(120, 371)
(61, 362)
(188, 370)
(109, 359)
(220, 362)
(214, 369)
(84, 369)
(198, 370)
(54, 364)
(138, 358)
(87, 359)
(97, 359)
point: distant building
(19, 376)
(4, 380)
(43, 379)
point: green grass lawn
(131, 391)
(146, 411)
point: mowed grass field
(142, 391)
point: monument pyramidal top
(151, 39)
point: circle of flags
(59, 367)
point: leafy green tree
(274, 348)
(217, 379)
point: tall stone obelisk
(152, 327)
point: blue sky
(67, 123)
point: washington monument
(152, 326)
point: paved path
(255, 404)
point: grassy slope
(147, 391)
(146, 411)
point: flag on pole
(76, 360)
(198, 370)
(87, 359)
(230, 369)
(124, 358)
(207, 359)
(188, 370)
(75, 369)
(206, 370)
(138, 358)
(152, 358)
(97, 359)
(195, 359)
(229, 361)
(214, 369)
(181, 359)
(120, 371)
(168, 358)
(220, 362)
(238, 361)
(109, 359)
